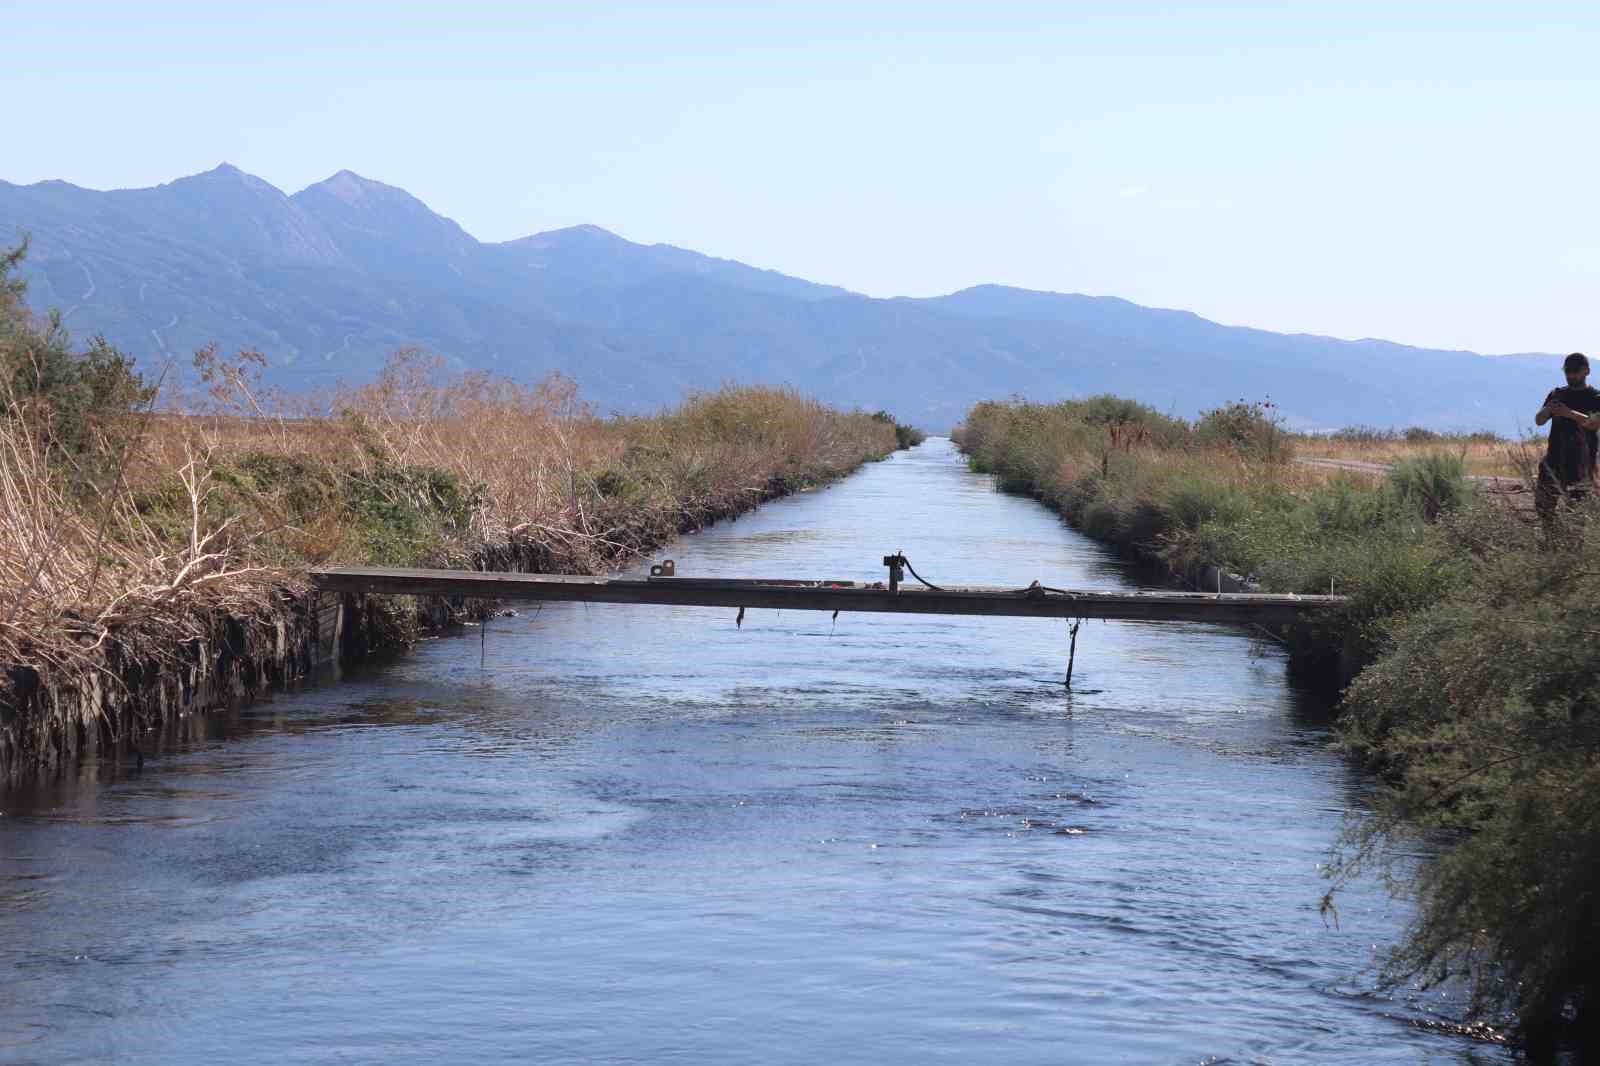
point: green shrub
(1114, 411)
(1253, 429)
(1347, 506)
(1191, 503)
(1428, 485)
(1484, 710)
(78, 403)
(406, 516)
(904, 436)
(302, 487)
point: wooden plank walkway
(792, 595)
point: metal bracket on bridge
(665, 569)
(897, 569)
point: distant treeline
(1411, 435)
(904, 436)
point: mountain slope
(596, 255)
(329, 281)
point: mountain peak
(227, 175)
(369, 219)
(224, 172)
(582, 232)
(355, 190)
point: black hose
(1035, 587)
(918, 576)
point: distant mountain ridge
(329, 281)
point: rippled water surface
(640, 834)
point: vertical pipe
(1072, 650)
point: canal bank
(608, 833)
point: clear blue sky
(1424, 172)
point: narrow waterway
(641, 834)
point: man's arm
(1550, 409)
(1561, 410)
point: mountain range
(329, 281)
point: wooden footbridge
(666, 587)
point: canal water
(644, 834)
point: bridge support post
(1072, 650)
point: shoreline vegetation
(154, 541)
(1471, 683)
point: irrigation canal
(641, 834)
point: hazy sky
(1425, 172)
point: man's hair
(1576, 361)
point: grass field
(1480, 455)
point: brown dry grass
(1482, 458)
(76, 576)
(536, 454)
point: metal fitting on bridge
(897, 569)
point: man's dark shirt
(1571, 454)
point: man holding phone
(1568, 468)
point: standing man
(1568, 467)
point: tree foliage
(905, 436)
(1252, 428)
(78, 402)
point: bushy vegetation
(1483, 711)
(1250, 428)
(1478, 697)
(76, 405)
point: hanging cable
(898, 559)
(918, 576)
